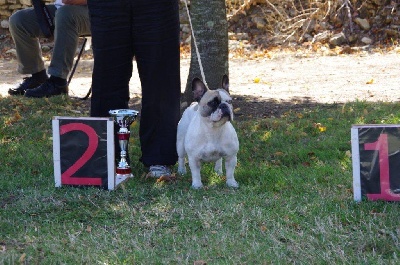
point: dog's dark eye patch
(214, 103)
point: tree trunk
(210, 28)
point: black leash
(74, 68)
(88, 94)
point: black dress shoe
(27, 83)
(47, 89)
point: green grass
(294, 205)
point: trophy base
(123, 170)
(119, 178)
(123, 173)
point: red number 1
(382, 146)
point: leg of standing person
(71, 21)
(25, 31)
(156, 46)
(113, 55)
(150, 31)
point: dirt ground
(268, 86)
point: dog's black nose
(224, 107)
(226, 111)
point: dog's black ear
(198, 88)
(225, 83)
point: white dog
(205, 133)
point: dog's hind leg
(218, 167)
(180, 148)
(181, 165)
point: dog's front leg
(195, 166)
(218, 167)
(230, 164)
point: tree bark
(210, 28)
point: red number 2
(67, 177)
(381, 145)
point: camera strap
(44, 17)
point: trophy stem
(123, 118)
(123, 169)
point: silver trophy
(124, 118)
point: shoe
(27, 83)
(157, 171)
(47, 89)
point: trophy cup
(124, 118)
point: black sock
(42, 75)
(58, 81)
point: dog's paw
(232, 183)
(197, 185)
(182, 170)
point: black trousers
(149, 31)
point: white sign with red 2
(83, 151)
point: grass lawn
(294, 205)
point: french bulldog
(206, 134)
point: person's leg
(71, 21)
(156, 45)
(25, 31)
(112, 51)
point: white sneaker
(157, 171)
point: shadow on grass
(246, 107)
(253, 107)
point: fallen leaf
(320, 127)
(371, 81)
(166, 178)
(22, 258)
(17, 116)
(374, 212)
(316, 125)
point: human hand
(75, 2)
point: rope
(195, 45)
